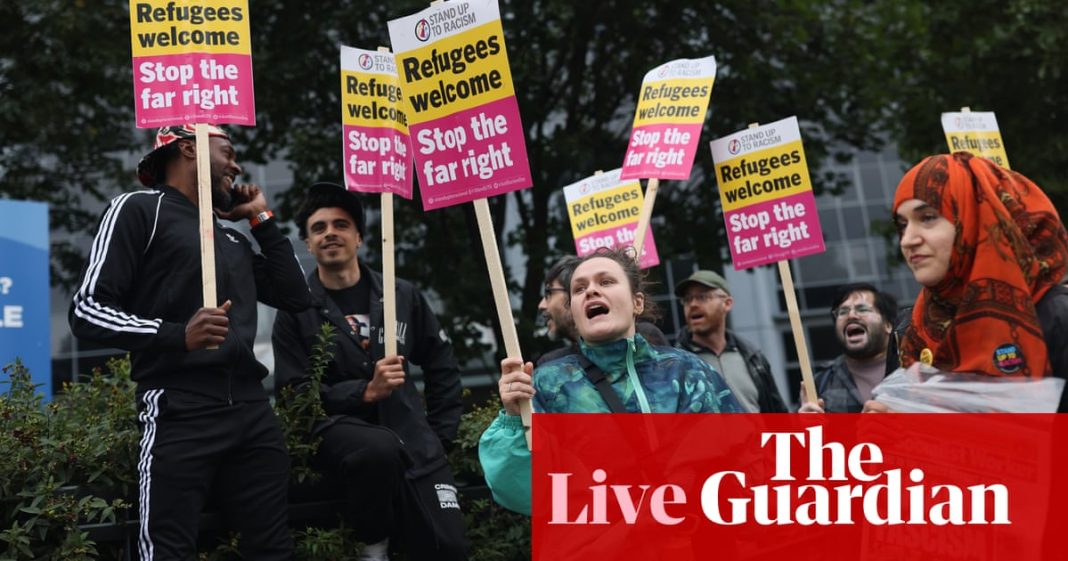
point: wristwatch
(260, 218)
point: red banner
(800, 487)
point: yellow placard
(611, 208)
(168, 27)
(986, 144)
(372, 100)
(457, 73)
(680, 101)
(763, 175)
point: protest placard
(192, 62)
(462, 111)
(667, 122)
(377, 155)
(667, 125)
(766, 193)
(770, 210)
(977, 133)
(467, 136)
(604, 212)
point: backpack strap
(597, 377)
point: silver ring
(510, 384)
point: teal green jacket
(647, 380)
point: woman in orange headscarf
(990, 251)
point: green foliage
(299, 408)
(73, 461)
(464, 456)
(63, 463)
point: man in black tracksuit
(207, 428)
(388, 450)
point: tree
(856, 73)
(65, 113)
(1010, 57)
(577, 69)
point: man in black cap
(388, 451)
(206, 424)
(706, 301)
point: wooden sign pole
(207, 224)
(389, 277)
(389, 284)
(646, 215)
(500, 298)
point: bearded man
(863, 321)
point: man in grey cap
(706, 300)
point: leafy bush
(74, 462)
(60, 461)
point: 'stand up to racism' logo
(422, 30)
(584, 187)
(365, 61)
(734, 146)
(663, 70)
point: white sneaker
(376, 551)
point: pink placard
(377, 160)
(621, 236)
(772, 231)
(471, 154)
(193, 88)
(663, 151)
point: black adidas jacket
(142, 284)
(420, 340)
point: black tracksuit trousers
(193, 446)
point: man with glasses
(706, 300)
(863, 321)
(553, 306)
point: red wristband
(260, 218)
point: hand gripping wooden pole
(500, 298)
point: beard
(221, 197)
(877, 343)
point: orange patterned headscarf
(1010, 248)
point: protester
(206, 423)
(706, 301)
(606, 298)
(554, 308)
(990, 251)
(863, 323)
(380, 441)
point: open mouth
(855, 333)
(595, 310)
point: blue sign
(24, 290)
